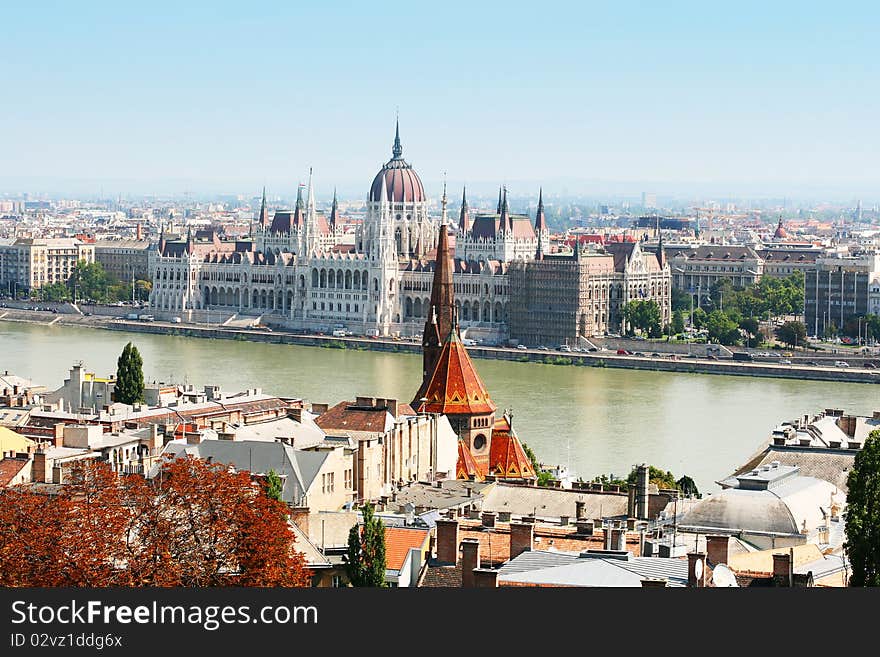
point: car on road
(784, 361)
(543, 348)
(176, 320)
(624, 352)
(592, 349)
(841, 363)
(564, 347)
(812, 363)
(638, 353)
(521, 346)
(656, 355)
(870, 366)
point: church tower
(440, 312)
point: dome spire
(397, 151)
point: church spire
(264, 213)
(464, 219)
(443, 202)
(440, 314)
(498, 211)
(540, 221)
(299, 208)
(397, 150)
(506, 220)
(334, 211)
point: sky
(167, 97)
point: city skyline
(606, 102)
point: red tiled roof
(467, 467)
(507, 458)
(9, 468)
(346, 416)
(399, 541)
(455, 387)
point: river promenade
(660, 361)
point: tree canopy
(643, 316)
(792, 334)
(197, 524)
(863, 514)
(129, 388)
(365, 560)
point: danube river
(595, 420)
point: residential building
(840, 289)
(30, 263)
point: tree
(365, 560)
(642, 315)
(197, 524)
(273, 486)
(722, 328)
(129, 387)
(677, 322)
(54, 292)
(681, 300)
(90, 281)
(792, 334)
(687, 486)
(863, 514)
(752, 328)
(655, 476)
(699, 318)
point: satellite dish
(723, 577)
(698, 568)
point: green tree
(90, 281)
(655, 476)
(365, 560)
(273, 485)
(643, 316)
(752, 328)
(830, 330)
(863, 514)
(873, 330)
(678, 322)
(792, 334)
(54, 292)
(722, 329)
(129, 376)
(681, 300)
(699, 318)
(687, 486)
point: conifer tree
(365, 561)
(129, 376)
(863, 514)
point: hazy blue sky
(231, 95)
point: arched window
(331, 278)
(417, 307)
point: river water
(595, 420)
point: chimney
(488, 519)
(300, 515)
(391, 405)
(584, 527)
(641, 501)
(193, 437)
(651, 583)
(717, 549)
(295, 414)
(521, 538)
(580, 512)
(783, 570)
(618, 540)
(485, 578)
(38, 469)
(470, 559)
(695, 558)
(563, 520)
(58, 436)
(447, 540)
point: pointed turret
(264, 212)
(334, 212)
(397, 149)
(443, 203)
(540, 221)
(190, 242)
(506, 219)
(464, 220)
(299, 210)
(162, 238)
(498, 211)
(440, 313)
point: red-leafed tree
(197, 524)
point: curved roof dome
(402, 183)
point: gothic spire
(443, 202)
(498, 211)
(440, 315)
(264, 213)
(397, 150)
(464, 219)
(506, 221)
(300, 207)
(540, 221)
(334, 210)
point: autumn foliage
(196, 524)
